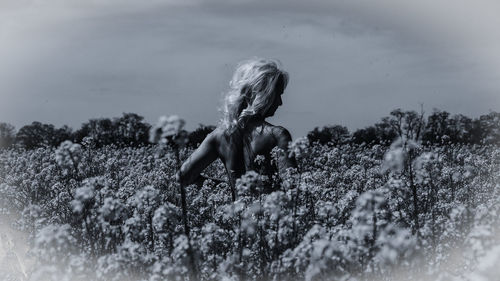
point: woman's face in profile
(277, 101)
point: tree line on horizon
(131, 130)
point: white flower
(395, 157)
(68, 155)
(83, 196)
(88, 142)
(112, 209)
(167, 126)
(298, 147)
(171, 125)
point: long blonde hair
(251, 91)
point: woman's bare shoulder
(280, 133)
(218, 135)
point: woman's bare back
(238, 151)
(238, 154)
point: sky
(64, 62)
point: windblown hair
(251, 91)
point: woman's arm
(203, 156)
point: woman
(255, 94)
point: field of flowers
(351, 212)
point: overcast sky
(350, 62)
